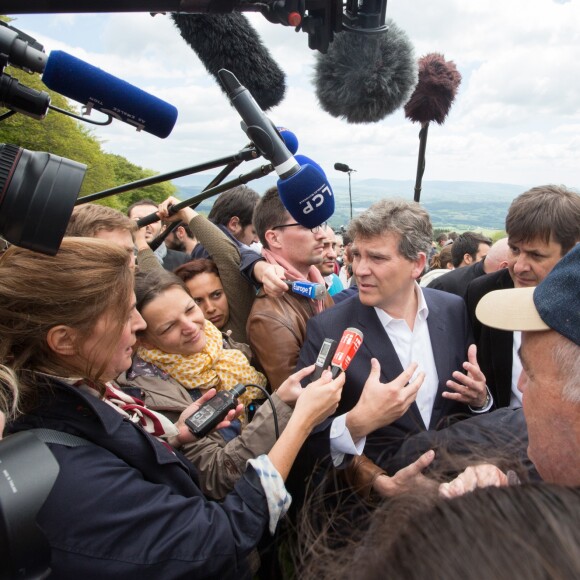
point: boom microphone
(97, 89)
(364, 78)
(348, 346)
(229, 41)
(304, 190)
(343, 167)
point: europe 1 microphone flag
(309, 289)
(348, 346)
(303, 189)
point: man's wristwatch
(487, 400)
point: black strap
(60, 438)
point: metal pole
(350, 193)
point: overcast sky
(516, 118)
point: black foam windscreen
(228, 41)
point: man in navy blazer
(404, 327)
(542, 224)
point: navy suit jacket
(450, 334)
(494, 347)
(456, 281)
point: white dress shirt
(516, 396)
(415, 346)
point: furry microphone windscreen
(365, 77)
(439, 80)
(229, 41)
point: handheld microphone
(365, 77)
(303, 190)
(308, 289)
(229, 41)
(324, 358)
(303, 160)
(289, 138)
(307, 195)
(97, 89)
(348, 346)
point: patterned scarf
(214, 366)
(133, 409)
(291, 273)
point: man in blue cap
(549, 318)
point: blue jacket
(128, 507)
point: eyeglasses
(314, 230)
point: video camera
(28, 471)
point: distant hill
(460, 205)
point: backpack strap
(60, 438)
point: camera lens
(37, 195)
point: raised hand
(382, 403)
(471, 388)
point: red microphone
(348, 346)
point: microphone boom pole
(207, 193)
(155, 243)
(421, 160)
(350, 193)
(346, 169)
(247, 154)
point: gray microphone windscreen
(365, 77)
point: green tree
(127, 172)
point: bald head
(497, 257)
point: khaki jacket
(220, 463)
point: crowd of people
(467, 377)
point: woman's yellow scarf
(214, 366)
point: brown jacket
(276, 330)
(220, 464)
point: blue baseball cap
(553, 304)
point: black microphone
(343, 167)
(324, 358)
(21, 50)
(24, 52)
(229, 41)
(365, 77)
(304, 190)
